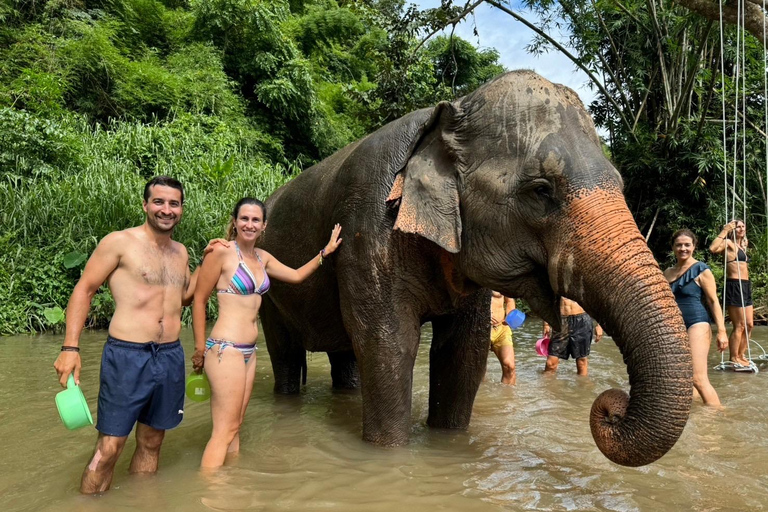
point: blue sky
(497, 29)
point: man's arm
(189, 293)
(101, 264)
(509, 305)
(598, 333)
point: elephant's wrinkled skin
(504, 189)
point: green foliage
(32, 146)
(232, 97)
(44, 255)
(460, 67)
(74, 259)
(663, 108)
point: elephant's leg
(289, 359)
(344, 371)
(385, 347)
(457, 360)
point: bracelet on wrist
(322, 256)
(67, 348)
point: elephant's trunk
(606, 266)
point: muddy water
(527, 448)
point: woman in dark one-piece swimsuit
(694, 288)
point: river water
(528, 447)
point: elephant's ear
(427, 186)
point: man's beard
(154, 224)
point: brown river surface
(528, 447)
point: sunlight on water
(527, 448)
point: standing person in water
(142, 365)
(575, 341)
(240, 273)
(501, 336)
(695, 291)
(738, 288)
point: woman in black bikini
(738, 289)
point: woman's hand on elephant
(198, 360)
(334, 242)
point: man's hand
(212, 244)
(198, 360)
(68, 362)
(495, 322)
(546, 330)
(598, 333)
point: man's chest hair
(156, 267)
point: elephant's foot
(385, 437)
(288, 376)
(291, 388)
(449, 419)
(344, 371)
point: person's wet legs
(226, 373)
(582, 366)
(699, 336)
(97, 476)
(749, 315)
(506, 355)
(250, 376)
(551, 365)
(738, 336)
(147, 455)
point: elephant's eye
(542, 188)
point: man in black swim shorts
(142, 366)
(574, 341)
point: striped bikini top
(244, 282)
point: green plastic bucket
(72, 406)
(198, 387)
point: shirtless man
(501, 336)
(142, 365)
(573, 343)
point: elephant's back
(358, 176)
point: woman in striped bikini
(240, 273)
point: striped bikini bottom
(246, 350)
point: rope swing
(740, 73)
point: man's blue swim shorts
(141, 382)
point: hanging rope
(740, 68)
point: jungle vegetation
(235, 97)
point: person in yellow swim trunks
(501, 336)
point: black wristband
(66, 348)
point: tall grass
(45, 217)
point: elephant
(506, 189)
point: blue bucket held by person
(515, 318)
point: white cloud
(509, 37)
